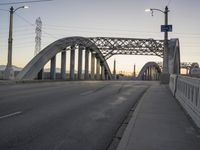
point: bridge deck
(159, 122)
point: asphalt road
(64, 115)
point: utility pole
(9, 72)
(164, 28)
(165, 74)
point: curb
(130, 127)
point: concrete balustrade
(187, 92)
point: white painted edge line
(10, 115)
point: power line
(4, 10)
(169, 2)
(24, 19)
(22, 2)
(31, 24)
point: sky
(107, 18)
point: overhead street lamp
(9, 72)
(164, 28)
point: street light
(9, 72)
(165, 73)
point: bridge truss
(128, 46)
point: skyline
(102, 18)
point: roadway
(65, 115)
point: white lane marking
(119, 100)
(10, 115)
(86, 93)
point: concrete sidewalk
(159, 123)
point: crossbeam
(128, 46)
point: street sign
(166, 28)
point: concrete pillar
(98, 69)
(72, 62)
(53, 68)
(150, 73)
(106, 75)
(87, 51)
(40, 74)
(63, 65)
(145, 76)
(92, 65)
(102, 72)
(114, 70)
(80, 56)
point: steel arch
(110, 46)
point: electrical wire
(169, 2)
(22, 2)
(31, 24)
(4, 10)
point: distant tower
(134, 71)
(114, 70)
(38, 32)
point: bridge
(101, 49)
(105, 114)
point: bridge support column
(106, 76)
(102, 72)
(80, 56)
(92, 65)
(72, 61)
(63, 65)
(53, 68)
(40, 74)
(145, 76)
(97, 68)
(150, 73)
(87, 51)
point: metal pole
(165, 74)
(9, 73)
(165, 59)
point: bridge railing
(187, 92)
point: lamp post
(9, 72)
(165, 73)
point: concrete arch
(174, 56)
(194, 66)
(146, 66)
(31, 70)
